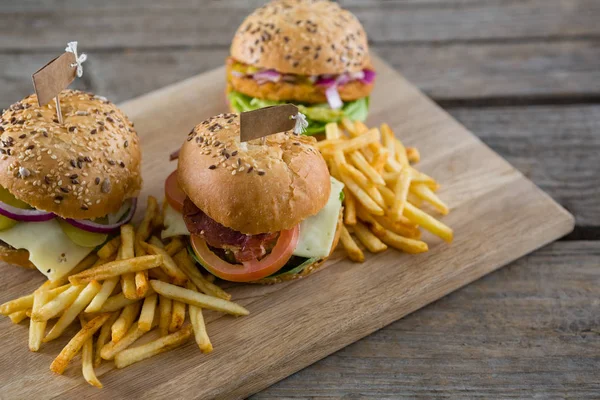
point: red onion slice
(325, 81)
(369, 76)
(268, 75)
(24, 215)
(333, 98)
(90, 226)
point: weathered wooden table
(524, 75)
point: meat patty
(305, 93)
(244, 247)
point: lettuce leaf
(318, 115)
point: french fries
(383, 192)
(123, 313)
(71, 313)
(197, 299)
(125, 320)
(136, 354)
(60, 363)
(116, 268)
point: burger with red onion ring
(311, 53)
(253, 211)
(64, 187)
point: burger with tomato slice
(64, 187)
(253, 211)
(311, 53)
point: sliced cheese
(317, 232)
(50, 250)
(174, 223)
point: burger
(311, 53)
(64, 187)
(260, 211)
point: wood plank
(530, 327)
(552, 70)
(339, 304)
(201, 23)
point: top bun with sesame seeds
(251, 187)
(83, 168)
(303, 37)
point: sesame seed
(106, 186)
(261, 173)
(212, 166)
(97, 181)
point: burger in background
(253, 211)
(64, 187)
(311, 53)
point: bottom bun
(311, 268)
(19, 257)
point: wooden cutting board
(497, 215)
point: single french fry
(136, 354)
(354, 252)
(362, 196)
(145, 228)
(349, 208)
(428, 222)
(174, 246)
(423, 192)
(359, 161)
(332, 131)
(87, 360)
(197, 299)
(413, 155)
(110, 248)
(420, 177)
(414, 200)
(177, 316)
(388, 140)
(127, 240)
(57, 305)
(37, 328)
(165, 305)
(168, 265)
(186, 264)
(119, 301)
(197, 319)
(71, 313)
(367, 238)
(108, 287)
(125, 320)
(407, 245)
(72, 348)
(355, 143)
(21, 303)
(401, 188)
(128, 285)
(103, 337)
(141, 283)
(154, 241)
(147, 313)
(116, 268)
(18, 316)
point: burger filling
(55, 245)
(233, 255)
(323, 99)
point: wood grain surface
(529, 74)
(293, 325)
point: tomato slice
(175, 196)
(249, 270)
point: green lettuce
(318, 115)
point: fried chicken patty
(303, 92)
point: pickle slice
(80, 237)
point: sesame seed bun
(250, 187)
(304, 37)
(19, 257)
(309, 269)
(82, 168)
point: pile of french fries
(384, 194)
(134, 287)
